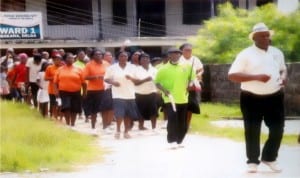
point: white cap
(260, 27)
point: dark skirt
(70, 101)
(107, 101)
(193, 102)
(147, 105)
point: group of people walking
(124, 89)
(132, 89)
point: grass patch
(30, 142)
(215, 111)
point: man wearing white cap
(261, 71)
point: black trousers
(258, 108)
(177, 123)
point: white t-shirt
(33, 69)
(146, 87)
(253, 60)
(116, 73)
(10, 62)
(197, 64)
(193, 60)
(42, 95)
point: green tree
(222, 37)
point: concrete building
(153, 25)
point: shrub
(221, 38)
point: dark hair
(120, 52)
(68, 54)
(184, 45)
(143, 55)
(44, 66)
(37, 57)
(95, 50)
(79, 51)
(164, 55)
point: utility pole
(139, 28)
(100, 34)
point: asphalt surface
(147, 155)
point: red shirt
(21, 73)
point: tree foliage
(221, 38)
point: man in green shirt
(173, 80)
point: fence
(217, 87)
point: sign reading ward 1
(21, 25)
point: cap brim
(252, 33)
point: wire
(83, 15)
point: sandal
(117, 135)
(126, 135)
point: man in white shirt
(34, 65)
(261, 71)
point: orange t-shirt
(49, 75)
(10, 76)
(69, 78)
(93, 68)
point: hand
(116, 84)
(263, 78)
(128, 77)
(282, 82)
(84, 94)
(166, 92)
(148, 79)
(99, 77)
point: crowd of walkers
(125, 88)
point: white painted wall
(81, 32)
(111, 31)
(288, 6)
(174, 24)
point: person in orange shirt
(49, 76)
(12, 84)
(68, 82)
(94, 72)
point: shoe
(107, 131)
(252, 168)
(154, 131)
(94, 132)
(272, 165)
(165, 124)
(143, 128)
(127, 136)
(173, 146)
(117, 135)
(180, 145)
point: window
(263, 2)
(12, 5)
(119, 12)
(69, 12)
(195, 11)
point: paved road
(147, 155)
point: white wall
(82, 32)
(174, 24)
(111, 31)
(288, 6)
